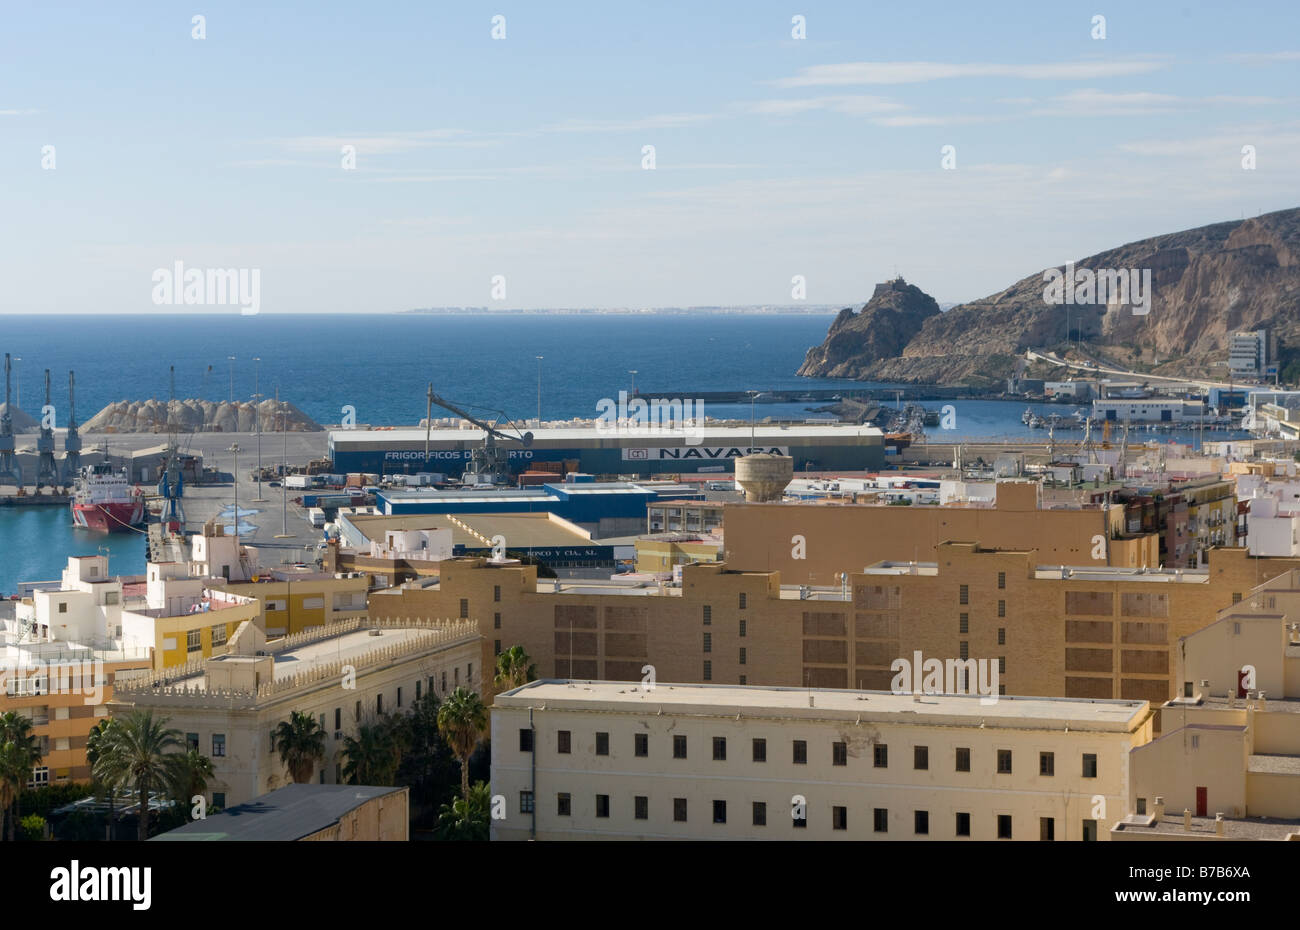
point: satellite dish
(527, 439)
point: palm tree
(13, 772)
(16, 731)
(514, 669)
(461, 718)
(466, 818)
(95, 743)
(133, 751)
(372, 756)
(190, 773)
(301, 744)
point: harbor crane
(72, 441)
(47, 472)
(9, 467)
(489, 463)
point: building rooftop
(521, 530)
(702, 435)
(1261, 828)
(826, 704)
(287, 814)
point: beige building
(1229, 763)
(814, 543)
(343, 673)
(602, 760)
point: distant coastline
(820, 309)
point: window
(839, 753)
(63, 606)
(760, 813)
(525, 802)
(1046, 828)
(191, 741)
(708, 670)
(218, 745)
(1196, 741)
(219, 635)
(1236, 599)
(496, 593)
(719, 811)
(525, 740)
(602, 744)
(963, 759)
(1002, 579)
(464, 608)
(1002, 636)
(742, 627)
(417, 689)
(963, 623)
(563, 804)
(602, 805)
(921, 822)
(1090, 831)
(742, 655)
(1002, 665)
(1004, 826)
(563, 741)
(679, 747)
(455, 676)
(679, 810)
(641, 744)
(218, 799)
(708, 614)
(719, 749)
(963, 824)
(963, 595)
(920, 757)
(800, 752)
(1089, 765)
(742, 679)
(641, 807)
(839, 818)
(1002, 608)
(496, 620)
(963, 649)
(880, 755)
(880, 820)
(760, 750)
(469, 673)
(1046, 763)
(708, 642)
(496, 647)
(742, 600)
(444, 681)
(379, 703)
(1004, 761)
(192, 642)
(338, 718)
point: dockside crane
(47, 472)
(9, 467)
(171, 483)
(72, 441)
(489, 463)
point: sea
(376, 367)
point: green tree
(460, 720)
(301, 744)
(466, 818)
(374, 754)
(514, 669)
(190, 772)
(33, 828)
(22, 753)
(133, 752)
(96, 741)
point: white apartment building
(613, 760)
(343, 673)
(85, 606)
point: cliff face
(1207, 283)
(857, 341)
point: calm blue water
(380, 364)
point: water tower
(764, 477)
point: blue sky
(522, 157)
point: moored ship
(105, 501)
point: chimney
(1218, 825)
(1187, 821)
(1160, 808)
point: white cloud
(914, 72)
(904, 121)
(662, 121)
(853, 105)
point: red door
(1202, 802)
(1241, 683)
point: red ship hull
(109, 517)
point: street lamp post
(752, 395)
(539, 391)
(257, 421)
(235, 449)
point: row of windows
(708, 614)
(194, 644)
(799, 816)
(799, 752)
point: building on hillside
(815, 543)
(1252, 354)
(1054, 630)
(1228, 766)
(305, 813)
(345, 674)
(602, 760)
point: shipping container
(316, 516)
(297, 481)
